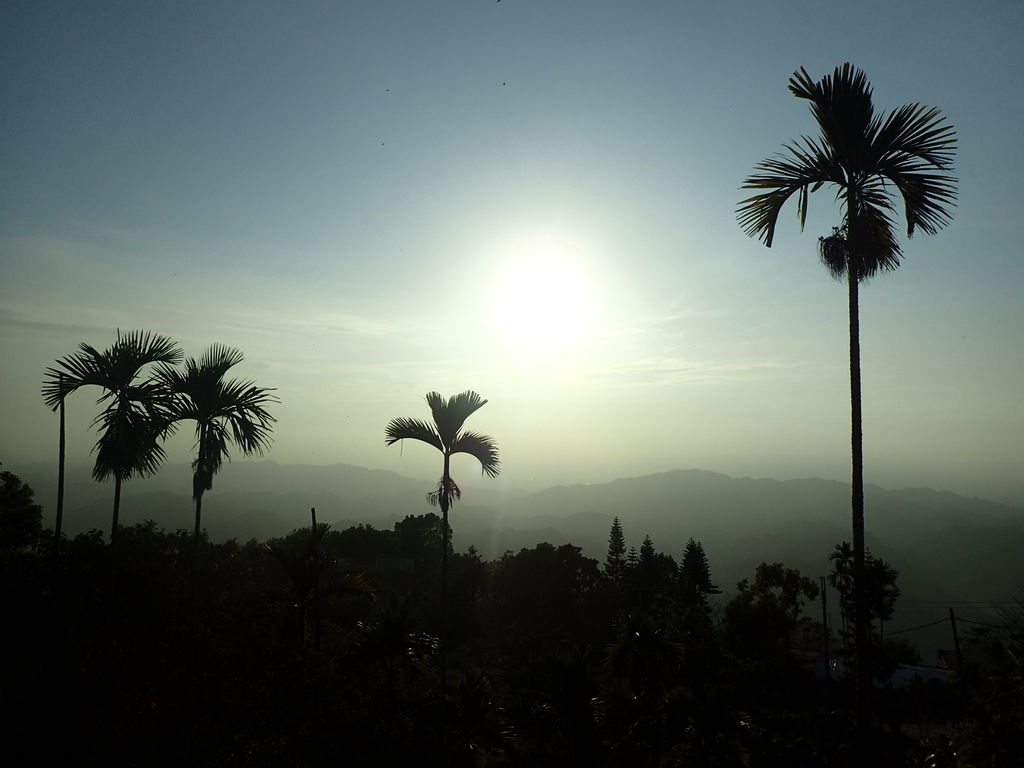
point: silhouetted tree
(866, 158)
(137, 413)
(310, 575)
(393, 639)
(615, 563)
(448, 436)
(762, 616)
(882, 590)
(21, 519)
(416, 537)
(880, 587)
(647, 552)
(632, 561)
(224, 412)
(654, 574)
(695, 572)
(695, 585)
(363, 544)
(541, 588)
(841, 580)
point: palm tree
(225, 412)
(447, 435)
(866, 159)
(137, 413)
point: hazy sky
(345, 191)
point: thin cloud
(335, 324)
(668, 370)
(19, 320)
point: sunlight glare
(542, 305)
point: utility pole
(956, 645)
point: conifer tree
(696, 573)
(632, 570)
(647, 553)
(615, 563)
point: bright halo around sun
(542, 305)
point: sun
(542, 305)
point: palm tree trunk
(117, 509)
(316, 582)
(446, 482)
(198, 486)
(196, 539)
(114, 539)
(860, 640)
(60, 476)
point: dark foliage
(293, 662)
(21, 519)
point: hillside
(950, 550)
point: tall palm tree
(136, 416)
(866, 158)
(447, 435)
(225, 412)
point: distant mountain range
(951, 551)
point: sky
(371, 200)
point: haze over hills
(948, 549)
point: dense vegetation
(322, 647)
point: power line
(911, 629)
(983, 624)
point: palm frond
(219, 359)
(74, 371)
(224, 412)
(212, 448)
(242, 406)
(451, 415)
(482, 448)
(867, 158)
(128, 445)
(841, 105)
(141, 347)
(347, 583)
(920, 132)
(411, 429)
(806, 169)
(137, 414)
